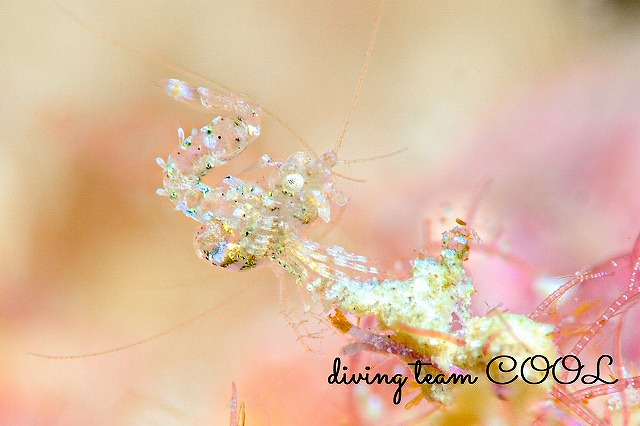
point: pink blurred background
(536, 103)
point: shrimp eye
(292, 183)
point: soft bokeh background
(530, 108)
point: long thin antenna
(132, 49)
(171, 66)
(363, 72)
(147, 339)
(286, 126)
(375, 157)
(362, 160)
(345, 177)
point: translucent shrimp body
(247, 224)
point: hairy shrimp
(249, 224)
